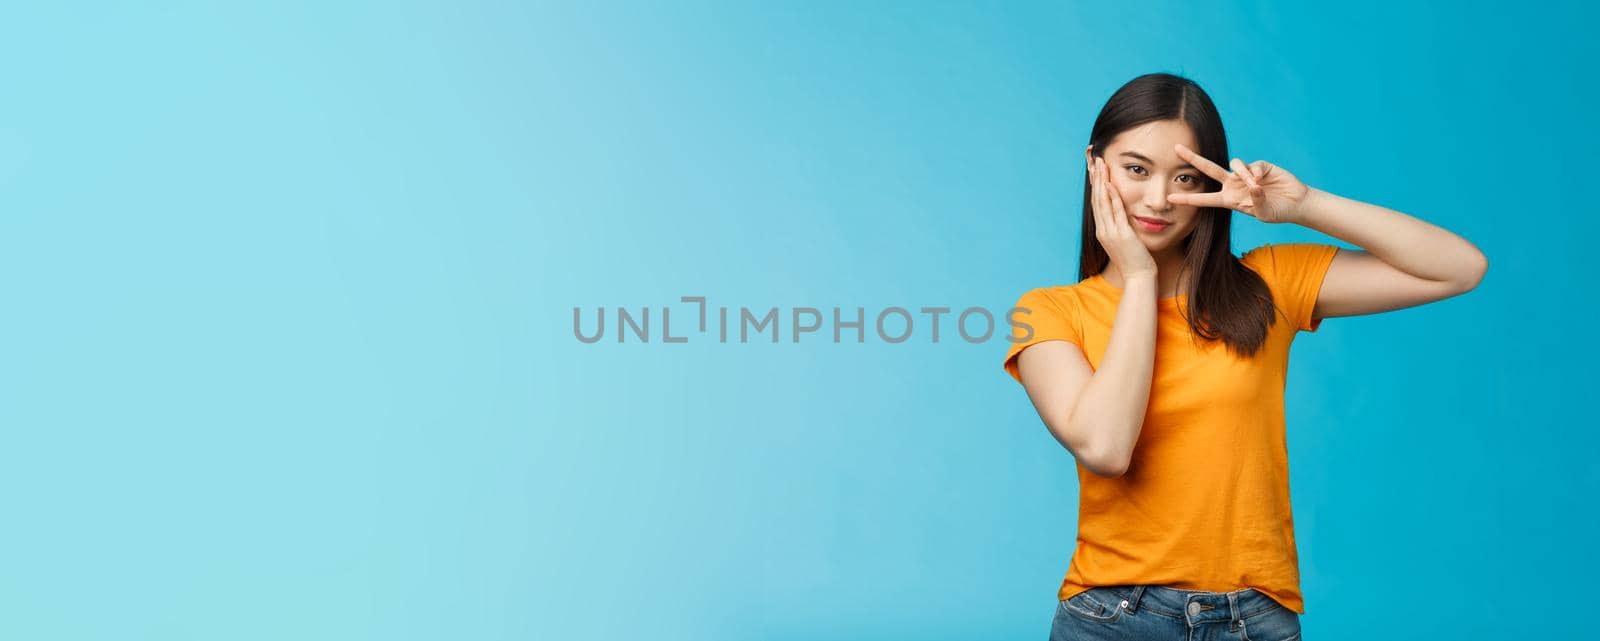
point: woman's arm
(1098, 414)
(1404, 261)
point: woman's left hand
(1261, 189)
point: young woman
(1162, 370)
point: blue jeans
(1158, 613)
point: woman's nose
(1155, 198)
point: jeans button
(1194, 608)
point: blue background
(289, 288)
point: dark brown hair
(1229, 301)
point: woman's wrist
(1314, 202)
(1140, 282)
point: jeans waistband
(1194, 606)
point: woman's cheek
(1125, 190)
(1130, 197)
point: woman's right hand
(1112, 228)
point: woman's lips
(1152, 225)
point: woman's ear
(1088, 158)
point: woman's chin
(1156, 246)
(1159, 241)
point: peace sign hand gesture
(1261, 189)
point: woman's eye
(1136, 170)
(1193, 181)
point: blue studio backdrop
(289, 346)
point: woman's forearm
(1110, 410)
(1410, 244)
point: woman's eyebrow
(1140, 157)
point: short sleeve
(1040, 315)
(1294, 272)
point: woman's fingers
(1094, 189)
(1118, 211)
(1207, 167)
(1263, 170)
(1243, 172)
(1094, 185)
(1096, 200)
(1257, 194)
(1109, 202)
(1208, 199)
(1110, 223)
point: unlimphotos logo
(893, 324)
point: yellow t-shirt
(1204, 504)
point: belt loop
(1235, 622)
(1133, 603)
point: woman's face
(1144, 168)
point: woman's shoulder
(1271, 259)
(1056, 294)
(1060, 300)
(1259, 259)
(1294, 273)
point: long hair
(1228, 301)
